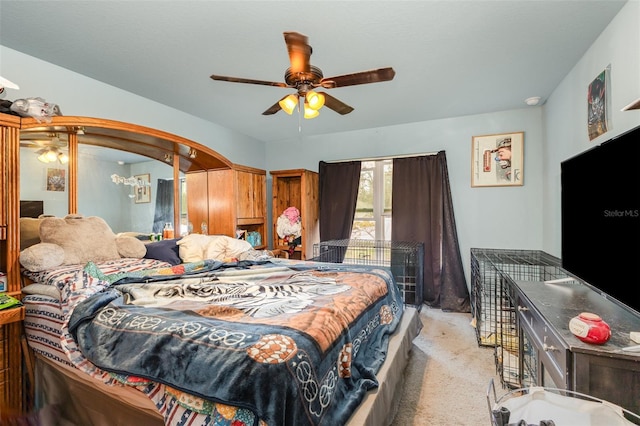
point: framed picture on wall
(598, 104)
(497, 160)
(143, 188)
(56, 180)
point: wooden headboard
(31, 208)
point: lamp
(310, 112)
(49, 155)
(192, 153)
(289, 103)
(314, 100)
(633, 105)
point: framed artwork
(143, 188)
(56, 180)
(598, 101)
(497, 160)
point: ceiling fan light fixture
(51, 155)
(288, 104)
(63, 158)
(310, 112)
(314, 100)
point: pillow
(221, 247)
(166, 250)
(42, 289)
(42, 256)
(192, 246)
(130, 247)
(82, 239)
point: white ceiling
(452, 58)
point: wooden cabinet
(523, 303)
(219, 202)
(11, 395)
(553, 357)
(297, 188)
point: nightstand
(10, 315)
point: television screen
(600, 202)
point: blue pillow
(166, 250)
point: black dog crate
(493, 305)
(404, 259)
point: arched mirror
(127, 174)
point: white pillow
(42, 256)
(197, 247)
(42, 289)
(191, 247)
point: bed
(253, 342)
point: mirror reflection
(105, 188)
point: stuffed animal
(76, 239)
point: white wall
(565, 112)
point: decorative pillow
(197, 247)
(130, 247)
(82, 239)
(42, 289)
(42, 256)
(192, 246)
(166, 250)
(221, 248)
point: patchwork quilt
(278, 343)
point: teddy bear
(76, 239)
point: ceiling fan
(305, 78)
(4, 83)
(48, 147)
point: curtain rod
(384, 157)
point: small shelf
(10, 315)
(296, 188)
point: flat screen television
(600, 203)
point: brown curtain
(338, 194)
(422, 211)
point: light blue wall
(565, 113)
(97, 195)
(497, 217)
(83, 96)
(526, 217)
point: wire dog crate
(493, 306)
(404, 259)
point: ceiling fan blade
(274, 108)
(336, 104)
(363, 77)
(248, 80)
(299, 51)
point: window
(373, 209)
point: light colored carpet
(448, 374)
